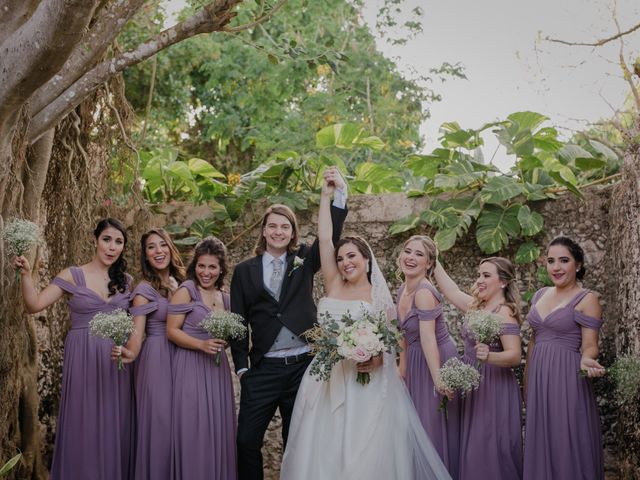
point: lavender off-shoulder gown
(562, 431)
(203, 439)
(443, 431)
(491, 436)
(94, 432)
(153, 388)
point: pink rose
(360, 355)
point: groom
(273, 293)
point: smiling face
(561, 266)
(157, 252)
(109, 245)
(414, 260)
(352, 264)
(277, 232)
(488, 284)
(207, 270)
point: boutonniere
(297, 263)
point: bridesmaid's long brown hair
(506, 273)
(176, 267)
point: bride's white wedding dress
(342, 430)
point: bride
(340, 429)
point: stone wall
(609, 235)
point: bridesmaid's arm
(511, 345)
(590, 306)
(402, 366)
(35, 302)
(450, 290)
(426, 301)
(131, 350)
(182, 339)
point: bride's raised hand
(328, 185)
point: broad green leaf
(570, 153)
(293, 200)
(175, 229)
(405, 224)
(187, 241)
(374, 143)
(546, 139)
(527, 120)
(534, 192)
(590, 163)
(603, 150)
(527, 252)
(499, 189)
(10, 464)
(496, 225)
(445, 239)
(529, 163)
(181, 171)
(423, 165)
(374, 178)
(339, 135)
(522, 143)
(459, 174)
(543, 276)
(530, 222)
(204, 169)
(203, 227)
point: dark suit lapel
(256, 273)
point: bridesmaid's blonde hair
(506, 273)
(430, 249)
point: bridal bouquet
(225, 326)
(19, 236)
(458, 377)
(358, 340)
(116, 326)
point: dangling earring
(578, 269)
(503, 286)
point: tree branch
(213, 17)
(598, 43)
(259, 20)
(37, 49)
(86, 53)
(14, 14)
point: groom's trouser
(272, 383)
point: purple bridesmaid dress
(443, 431)
(94, 433)
(563, 437)
(203, 440)
(491, 436)
(153, 388)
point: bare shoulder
(590, 305)
(507, 314)
(181, 295)
(66, 275)
(425, 299)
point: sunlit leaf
(527, 252)
(445, 239)
(527, 120)
(404, 224)
(500, 189)
(496, 225)
(530, 222)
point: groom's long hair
(278, 209)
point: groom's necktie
(275, 282)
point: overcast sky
(509, 67)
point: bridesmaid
(203, 439)
(93, 437)
(563, 437)
(162, 271)
(427, 345)
(491, 436)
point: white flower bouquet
(116, 326)
(458, 377)
(224, 325)
(485, 327)
(357, 340)
(19, 236)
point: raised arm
(330, 272)
(449, 289)
(35, 302)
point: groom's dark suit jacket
(266, 315)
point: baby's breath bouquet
(19, 236)
(358, 340)
(116, 326)
(225, 326)
(625, 372)
(485, 327)
(458, 377)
